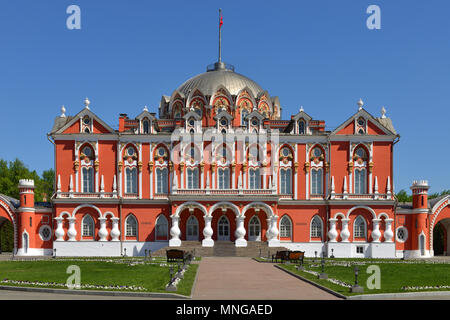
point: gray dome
(208, 82)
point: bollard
(356, 288)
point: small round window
(87, 151)
(130, 151)
(254, 122)
(317, 152)
(285, 152)
(86, 121)
(402, 234)
(45, 233)
(223, 122)
(161, 152)
(191, 122)
(361, 153)
(361, 122)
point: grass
(393, 276)
(153, 278)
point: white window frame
(316, 227)
(90, 230)
(129, 232)
(158, 225)
(192, 221)
(355, 225)
(283, 228)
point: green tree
(402, 196)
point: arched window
(146, 126)
(285, 227)
(223, 226)
(285, 181)
(161, 228)
(192, 228)
(192, 178)
(359, 228)
(88, 226)
(361, 181)
(131, 226)
(254, 229)
(161, 180)
(316, 227)
(301, 127)
(88, 179)
(244, 114)
(255, 179)
(131, 180)
(223, 178)
(316, 181)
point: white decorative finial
(87, 103)
(383, 113)
(360, 103)
(145, 108)
(63, 112)
(301, 109)
(254, 108)
(192, 109)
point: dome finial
(360, 104)
(63, 112)
(383, 112)
(301, 109)
(220, 35)
(145, 108)
(87, 103)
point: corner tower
(26, 211)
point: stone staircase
(224, 249)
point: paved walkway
(246, 279)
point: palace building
(219, 165)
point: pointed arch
(131, 226)
(87, 227)
(161, 228)
(316, 227)
(359, 227)
(286, 228)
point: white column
(202, 179)
(376, 188)
(274, 242)
(72, 233)
(115, 232)
(295, 174)
(71, 186)
(207, 232)
(59, 232)
(388, 187)
(345, 233)
(345, 188)
(240, 232)
(58, 191)
(376, 234)
(115, 187)
(103, 232)
(102, 187)
(268, 232)
(332, 233)
(388, 233)
(333, 191)
(175, 232)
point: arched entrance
(223, 229)
(6, 235)
(440, 237)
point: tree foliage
(11, 172)
(402, 196)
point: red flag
(221, 21)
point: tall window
(285, 227)
(301, 127)
(192, 228)
(146, 126)
(131, 226)
(359, 228)
(285, 181)
(316, 181)
(255, 179)
(223, 178)
(360, 181)
(254, 229)
(131, 180)
(244, 114)
(316, 227)
(161, 227)
(161, 180)
(192, 178)
(88, 226)
(88, 179)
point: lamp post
(356, 288)
(145, 258)
(315, 254)
(332, 253)
(124, 252)
(54, 253)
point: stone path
(246, 279)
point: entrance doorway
(223, 229)
(440, 238)
(6, 235)
(254, 229)
(192, 229)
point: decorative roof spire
(220, 35)
(63, 112)
(87, 103)
(145, 108)
(360, 104)
(301, 109)
(383, 113)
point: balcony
(367, 196)
(70, 195)
(223, 192)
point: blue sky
(318, 54)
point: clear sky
(315, 54)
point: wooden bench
(295, 256)
(280, 255)
(175, 255)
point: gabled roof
(362, 112)
(82, 113)
(225, 114)
(146, 114)
(192, 114)
(302, 114)
(253, 114)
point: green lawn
(152, 277)
(393, 276)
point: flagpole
(220, 37)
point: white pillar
(376, 234)
(115, 232)
(207, 232)
(333, 191)
(332, 233)
(71, 186)
(274, 242)
(103, 232)
(115, 187)
(58, 186)
(345, 233)
(345, 188)
(175, 232)
(240, 232)
(59, 232)
(388, 234)
(72, 233)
